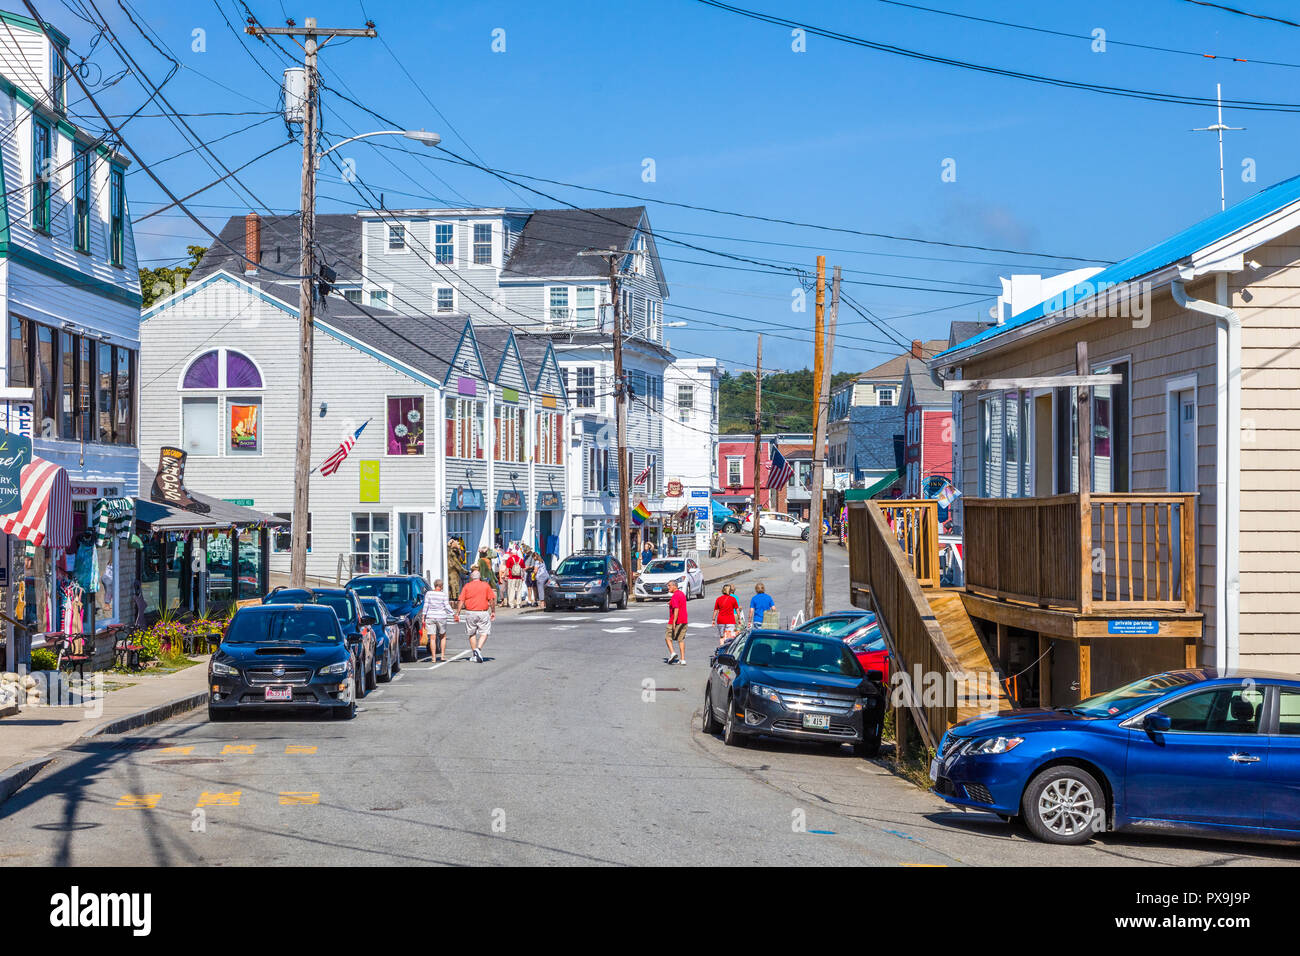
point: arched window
(221, 408)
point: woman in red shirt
(725, 609)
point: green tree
(159, 283)
(787, 401)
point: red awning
(46, 515)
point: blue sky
(735, 119)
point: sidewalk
(30, 739)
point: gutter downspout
(1227, 467)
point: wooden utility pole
(620, 408)
(312, 40)
(758, 439)
(822, 392)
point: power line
(1244, 13)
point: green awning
(865, 494)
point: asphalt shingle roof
(338, 237)
(924, 389)
(552, 238)
(872, 429)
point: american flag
(779, 471)
(642, 478)
(332, 463)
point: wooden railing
(915, 525)
(883, 579)
(1106, 552)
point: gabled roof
(872, 429)
(1167, 252)
(338, 237)
(893, 369)
(961, 331)
(918, 381)
(496, 344)
(538, 353)
(552, 238)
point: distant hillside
(787, 401)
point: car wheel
(372, 675)
(709, 723)
(731, 528)
(604, 601)
(358, 683)
(731, 735)
(804, 536)
(622, 600)
(387, 673)
(1061, 805)
(869, 747)
(216, 716)
(761, 532)
(550, 605)
(346, 713)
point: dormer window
(58, 81)
(396, 238)
(482, 243)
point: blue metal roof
(1177, 247)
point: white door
(1185, 403)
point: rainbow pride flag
(640, 513)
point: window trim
(455, 298)
(45, 202)
(117, 216)
(81, 215)
(424, 423)
(389, 248)
(474, 244)
(433, 244)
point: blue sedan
(1188, 751)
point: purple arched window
(241, 372)
(203, 372)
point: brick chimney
(916, 348)
(252, 241)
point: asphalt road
(554, 751)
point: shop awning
(220, 515)
(45, 519)
(854, 494)
(511, 501)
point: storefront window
(104, 395)
(19, 367)
(250, 563)
(48, 368)
(405, 432)
(175, 570)
(219, 554)
(151, 562)
(464, 428)
(124, 431)
(85, 380)
(68, 383)
(370, 543)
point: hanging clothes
(72, 617)
(85, 569)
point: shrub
(44, 659)
(150, 645)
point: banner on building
(243, 427)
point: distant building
(735, 457)
(928, 428)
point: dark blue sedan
(1188, 751)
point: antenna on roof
(1219, 128)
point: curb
(13, 779)
(151, 715)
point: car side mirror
(876, 677)
(727, 659)
(1156, 722)
(368, 621)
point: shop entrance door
(410, 543)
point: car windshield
(582, 566)
(390, 591)
(869, 640)
(665, 567)
(299, 625)
(341, 605)
(793, 654)
(828, 625)
(1130, 697)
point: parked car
(795, 686)
(777, 525)
(1188, 751)
(282, 656)
(403, 596)
(358, 627)
(652, 582)
(724, 519)
(587, 577)
(858, 630)
(388, 639)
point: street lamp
(419, 135)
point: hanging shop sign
(466, 499)
(674, 489)
(369, 471)
(169, 482)
(549, 501)
(511, 501)
(16, 417)
(15, 455)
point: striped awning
(46, 515)
(114, 517)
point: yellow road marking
(142, 801)
(289, 798)
(219, 799)
(177, 750)
(238, 748)
(300, 749)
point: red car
(860, 632)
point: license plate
(657, 590)
(934, 769)
(279, 693)
(817, 721)
(570, 596)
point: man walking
(514, 579)
(676, 625)
(759, 605)
(478, 603)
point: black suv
(403, 595)
(358, 627)
(587, 577)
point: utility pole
(824, 344)
(614, 256)
(758, 438)
(312, 40)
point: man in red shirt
(724, 611)
(676, 625)
(478, 602)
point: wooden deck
(983, 691)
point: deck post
(1187, 524)
(1083, 407)
(1085, 668)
